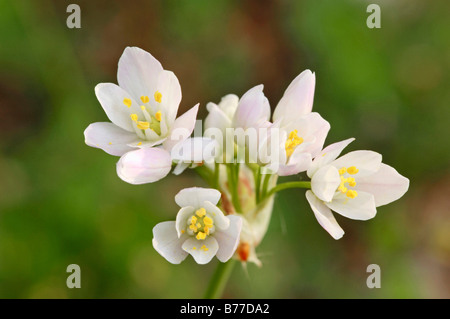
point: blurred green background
(61, 201)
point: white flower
(201, 229)
(142, 110)
(352, 185)
(305, 132)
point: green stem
(219, 280)
(233, 184)
(258, 184)
(265, 185)
(288, 185)
(216, 175)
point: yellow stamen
(208, 221)
(343, 170)
(158, 96)
(201, 236)
(143, 125)
(127, 102)
(193, 220)
(182, 231)
(201, 212)
(110, 143)
(352, 194)
(143, 107)
(204, 248)
(193, 228)
(145, 99)
(194, 248)
(292, 142)
(134, 117)
(199, 225)
(139, 144)
(351, 181)
(158, 116)
(352, 170)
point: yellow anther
(351, 181)
(110, 143)
(158, 116)
(193, 228)
(200, 235)
(193, 220)
(145, 99)
(352, 170)
(200, 212)
(206, 229)
(343, 170)
(198, 225)
(158, 96)
(204, 248)
(143, 125)
(182, 231)
(134, 117)
(194, 248)
(208, 221)
(143, 107)
(127, 102)
(139, 144)
(292, 142)
(352, 194)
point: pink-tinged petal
(221, 222)
(112, 97)
(361, 207)
(182, 218)
(228, 240)
(228, 104)
(180, 168)
(167, 244)
(138, 72)
(324, 216)
(298, 162)
(146, 165)
(196, 150)
(312, 127)
(367, 162)
(297, 99)
(195, 196)
(386, 185)
(110, 138)
(170, 89)
(182, 128)
(325, 182)
(253, 109)
(202, 250)
(328, 154)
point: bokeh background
(62, 203)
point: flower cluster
(241, 154)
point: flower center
(292, 142)
(350, 181)
(200, 225)
(150, 125)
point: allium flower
(305, 132)
(142, 110)
(201, 229)
(352, 185)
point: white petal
(221, 222)
(110, 138)
(201, 256)
(328, 154)
(182, 128)
(367, 162)
(195, 149)
(324, 216)
(216, 119)
(195, 196)
(228, 104)
(180, 168)
(167, 244)
(297, 99)
(146, 165)
(181, 222)
(138, 72)
(298, 162)
(170, 89)
(361, 207)
(325, 182)
(386, 185)
(253, 109)
(228, 240)
(111, 97)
